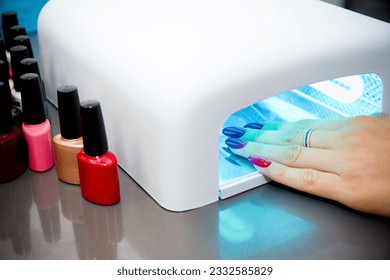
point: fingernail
(259, 161)
(254, 125)
(234, 132)
(227, 149)
(235, 143)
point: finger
(313, 138)
(293, 155)
(312, 181)
(323, 124)
(305, 137)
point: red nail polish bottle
(13, 153)
(98, 167)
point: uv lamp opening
(343, 97)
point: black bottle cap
(69, 112)
(15, 31)
(18, 53)
(32, 100)
(5, 109)
(9, 19)
(24, 40)
(4, 72)
(94, 132)
(30, 65)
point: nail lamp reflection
(343, 97)
(178, 69)
(247, 229)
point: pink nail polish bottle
(36, 127)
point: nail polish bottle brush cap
(9, 19)
(18, 53)
(24, 40)
(15, 31)
(94, 132)
(5, 109)
(33, 106)
(69, 112)
(30, 65)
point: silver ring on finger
(307, 138)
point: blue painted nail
(255, 125)
(234, 132)
(235, 143)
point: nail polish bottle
(13, 156)
(36, 127)
(9, 19)
(69, 142)
(98, 167)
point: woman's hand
(346, 160)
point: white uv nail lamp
(171, 74)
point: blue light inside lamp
(343, 97)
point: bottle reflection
(104, 229)
(45, 194)
(15, 205)
(73, 210)
(97, 229)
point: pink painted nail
(259, 161)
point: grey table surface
(42, 217)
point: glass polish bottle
(36, 127)
(13, 154)
(98, 167)
(69, 142)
